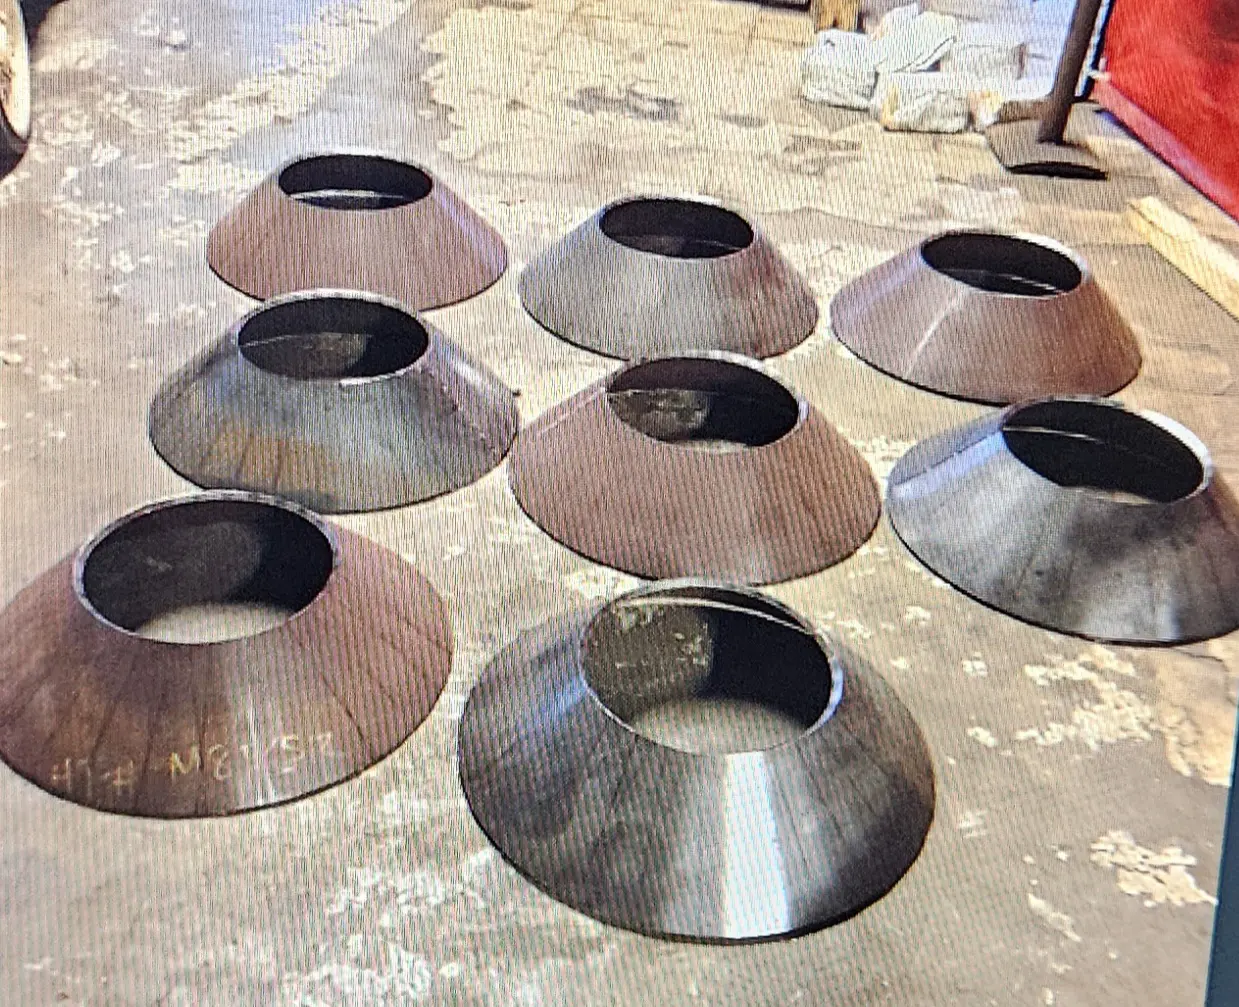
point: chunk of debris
(839, 69)
(923, 102)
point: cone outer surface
(927, 327)
(720, 847)
(659, 510)
(624, 302)
(429, 251)
(336, 444)
(1072, 558)
(113, 720)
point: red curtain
(1173, 80)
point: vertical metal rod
(1067, 80)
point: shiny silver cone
(339, 400)
(1079, 515)
(991, 317)
(649, 277)
(790, 833)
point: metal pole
(1067, 80)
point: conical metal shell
(338, 400)
(1078, 515)
(700, 844)
(356, 220)
(620, 473)
(648, 277)
(990, 317)
(100, 715)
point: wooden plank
(841, 14)
(1206, 263)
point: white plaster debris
(895, 19)
(989, 52)
(900, 663)
(911, 45)
(975, 666)
(839, 69)
(983, 736)
(972, 824)
(1196, 709)
(923, 102)
(1052, 918)
(405, 893)
(597, 582)
(856, 630)
(1159, 878)
(75, 55)
(1118, 715)
(915, 615)
(182, 232)
(122, 261)
(882, 453)
(944, 65)
(1008, 102)
(388, 975)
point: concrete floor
(1069, 865)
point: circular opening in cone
(1001, 264)
(14, 68)
(206, 570)
(704, 403)
(1103, 448)
(677, 228)
(354, 182)
(317, 338)
(707, 669)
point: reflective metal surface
(1079, 515)
(99, 707)
(701, 465)
(685, 841)
(356, 220)
(338, 400)
(15, 93)
(991, 317)
(649, 277)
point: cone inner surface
(325, 338)
(1104, 449)
(708, 404)
(206, 570)
(707, 669)
(677, 228)
(14, 69)
(1001, 264)
(354, 182)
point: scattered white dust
(1159, 877)
(1052, 918)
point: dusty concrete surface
(1081, 787)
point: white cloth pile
(937, 66)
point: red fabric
(1177, 63)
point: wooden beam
(1206, 263)
(841, 14)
